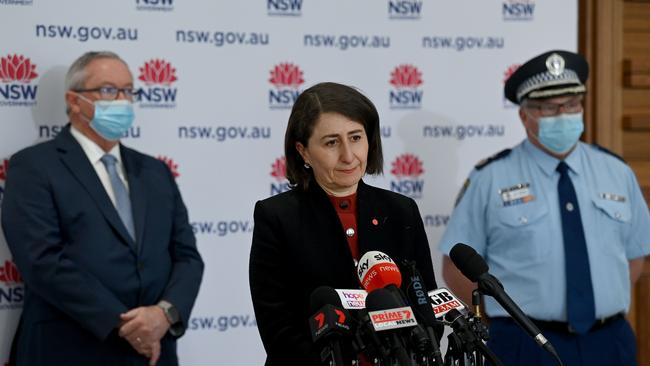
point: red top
(346, 208)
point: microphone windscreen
(324, 295)
(452, 315)
(468, 261)
(381, 299)
(377, 270)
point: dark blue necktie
(579, 290)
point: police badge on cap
(548, 75)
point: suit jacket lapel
(328, 230)
(76, 160)
(370, 221)
(137, 192)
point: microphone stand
(470, 334)
(455, 355)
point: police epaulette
(500, 155)
(609, 152)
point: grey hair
(75, 78)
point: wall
(217, 80)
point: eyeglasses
(110, 92)
(553, 109)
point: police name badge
(612, 197)
(516, 194)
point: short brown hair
(329, 98)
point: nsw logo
(158, 76)
(406, 93)
(506, 75)
(518, 10)
(17, 74)
(12, 291)
(287, 79)
(284, 8)
(154, 5)
(407, 169)
(4, 166)
(404, 9)
(279, 173)
(173, 167)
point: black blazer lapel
(328, 231)
(372, 219)
(137, 193)
(74, 158)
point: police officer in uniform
(561, 223)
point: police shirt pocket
(611, 218)
(615, 210)
(522, 215)
(517, 231)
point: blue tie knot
(108, 160)
(563, 168)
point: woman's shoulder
(386, 197)
(280, 202)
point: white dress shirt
(94, 154)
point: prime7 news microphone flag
(329, 325)
(389, 317)
(473, 266)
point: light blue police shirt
(510, 214)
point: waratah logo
(9, 273)
(279, 169)
(17, 69)
(405, 80)
(407, 165)
(158, 76)
(287, 79)
(157, 71)
(286, 75)
(173, 167)
(4, 166)
(509, 71)
(506, 75)
(407, 168)
(279, 172)
(406, 76)
(17, 72)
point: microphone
(377, 270)
(388, 315)
(417, 295)
(330, 323)
(473, 266)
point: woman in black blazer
(314, 234)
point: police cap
(548, 75)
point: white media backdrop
(217, 81)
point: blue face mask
(560, 133)
(112, 118)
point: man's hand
(143, 327)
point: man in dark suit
(100, 235)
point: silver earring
(307, 166)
